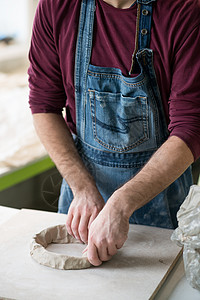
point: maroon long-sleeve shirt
(175, 40)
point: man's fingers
(68, 224)
(83, 228)
(75, 225)
(91, 219)
(112, 249)
(103, 252)
(92, 255)
(120, 244)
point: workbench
(120, 278)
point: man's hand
(84, 208)
(58, 141)
(108, 232)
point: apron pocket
(119, 123)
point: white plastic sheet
(188, 235)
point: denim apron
(120, 121)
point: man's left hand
(108, 232)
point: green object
(20, 174)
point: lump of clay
(56, 234)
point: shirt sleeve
(47, 94)
(184, 101)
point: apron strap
(143, 28)
(82, 58)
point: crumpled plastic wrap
(187, 234)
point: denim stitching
(114, 164)
(96, 74)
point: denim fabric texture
(120, 122)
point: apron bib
(120, 121)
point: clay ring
(56, 234)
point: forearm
(57, 139)
(164, 167)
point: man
(124, 70)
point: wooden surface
(171, 282)
(134, 273)
(176, 285)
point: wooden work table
(135, 272)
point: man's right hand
(58, 141)
(84, 208)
